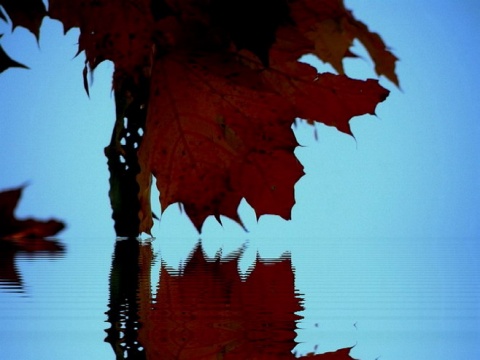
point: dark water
(101, 299)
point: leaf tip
(85, 80)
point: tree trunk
(131, 98)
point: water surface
(101, 299)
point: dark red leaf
(109, 30)
(16, 230)
(25, 13)
(212, 127)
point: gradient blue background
(385, 230)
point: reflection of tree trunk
(125, 286)
(131, 97)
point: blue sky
(405, 194)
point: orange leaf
(332, 28)
(384, 60)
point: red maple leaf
(219, 122)
(216, 134)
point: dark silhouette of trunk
(131, 99)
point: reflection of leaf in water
(10, 277)
(204, 311)
(207, 310)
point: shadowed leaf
(216, 134)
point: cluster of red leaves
(226, 86)
(207, 311)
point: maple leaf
(16, 230)
(214, 135)
(219, 129)
(331, 29)
(219, 122)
